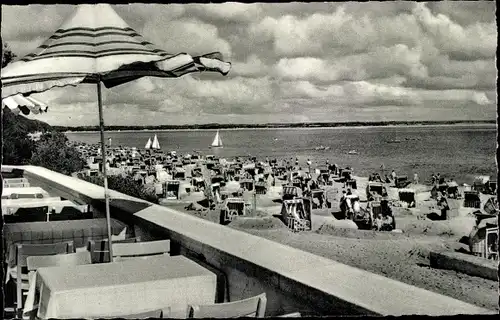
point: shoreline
(465, 124)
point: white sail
(217, 140)
(148, 144)
(156, 144)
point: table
(53, 203)
(121, 288)
(80, 231)
(28, 190)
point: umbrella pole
(104, 170)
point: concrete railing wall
(294, 280)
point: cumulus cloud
(186, 35)
(253, 66)
(380, 63)
(338, 33)
(473, 41)
(291, 62)
(228, 11)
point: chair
(157, 314)
(70, 213)
(27, 250)
(254, 307)
(72, 259)
(35, 214)
(99, 248)
(140, 249)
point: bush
(123, 184)
(53, 152)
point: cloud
(253, 66)
(186, 35)
(381, 63)
(291, 62)
(338, 33)
(137, 15)
(228, 11)
(363, 93)
(474, 41)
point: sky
(291, 62)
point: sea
(458, 152)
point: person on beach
(444, 207)
(433, 179)
(415, 178)
(388, 222)
(393, 175)
(438, 178)
(378, 222)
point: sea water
(455, 151)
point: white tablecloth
(53, 204)
(28, 190)
(121, 288)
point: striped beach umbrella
(95, 45)
(25, 105)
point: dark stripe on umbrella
(35, 80)
(95, 35)
(93, 29)
(89, 54)
(47, 75)
(186, 66)
(79, 43)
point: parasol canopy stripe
(25, 105)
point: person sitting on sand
(314, 185)
(377, 224)
(387, 223)
(387, 211)
(379, 178)
(320, 180)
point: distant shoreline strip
(243, 127)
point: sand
(400, 256)
(396, 256)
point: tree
(17, 146)
(7, 54)
(53, 152)
(124, 184)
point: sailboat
(217, 143)
(156, 144)
(148, 144)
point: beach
(403, 254)
(400, 256)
